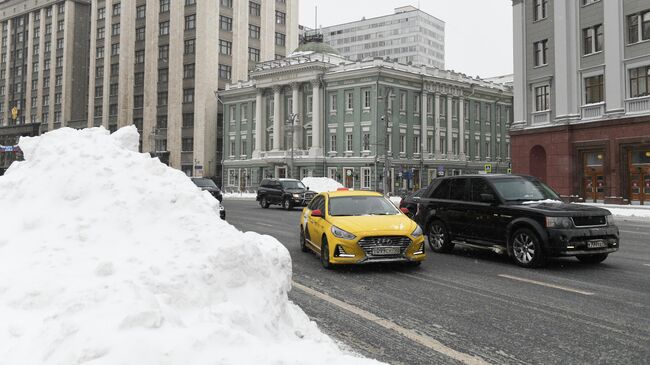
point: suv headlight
(417, 232)
(558, 222)
(610, 220)
(338, 232)
(296, 195)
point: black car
(516, 214)
(410, 202)
(288, 193)
(208, 185)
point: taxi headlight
(338, 232)
(417, 232)
(558, 222)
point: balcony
(593, 111)
(543, 117)
(638, 105)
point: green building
(371, 124)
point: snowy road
(474, 306)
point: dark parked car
(288, 193)
(517, 214)
(409, 202)
(208, 185)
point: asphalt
(475, 303)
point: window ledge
(639, 42)
(592, 54)
(540, 66)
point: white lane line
(265, 224)
(634, 232)
(548, 285)
(424, 340)
(646, 264)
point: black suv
(286, 192)
(517, 214)
(209, 186)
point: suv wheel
(264, 203)
(303, 241)
(439, 240)
(593, 258)
(527, 248)
(287, 204)
(325, 255)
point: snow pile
(239, 196)
(321, 184)
(110, 257)
(632, 211)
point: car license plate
(596, 244)
(386, 251)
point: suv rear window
(458, 189)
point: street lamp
(293, 118)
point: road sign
(441, 170)
(487, 168)
(509, 171)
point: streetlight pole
(293, 118)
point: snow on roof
(109, 256)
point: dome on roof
(317, 47)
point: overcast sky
(478, 33)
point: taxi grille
(367, 244)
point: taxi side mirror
(405, 210)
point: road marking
(634, 232)
(424, 340)
(265, 224)
(646, 264)
(548, 285)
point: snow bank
(633, 211)
(110, 257)
(239, 196)
(321, 184)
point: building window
(162, 98)
(139, 56)
(225, 23)
(254, 54)
(430, 143)
(349, 100)
(138, 78)
(141, 11)
(163, 52)
(100, 33)
(115, 49)
(225, 72)
(402, 102)
(594, 89)
(115, 29)
(333, 102)
(115, 69)
(280, 17)
(188, 120)
(280, 39)
(138, 101)
(59, 26)
(365, 141)
(636, 33)
(190, 2)
(540, 8)
(540, 52)
(388, 142)
(164, 6)
(365, 178)
(113, 89)
(116, 9)
(416, 144)
(112, 109)
(366, 99)
(190, 22)
(226, 3)
(592, 39)
(163, 74)
(254, 8)
(640, 81)
(488, 113)
(253, 31)
(189, 46)
(187, 144)
(348, 142)
(542, 98)
(333, 142)
(232, 153)
(225, 47)
(402, 143)
(416, 103)
(188, 71)
(188, 95)
(99, 71)
(99, 52)
(163, 28)
(140, 34)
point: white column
(277, 119)
(565, 83)
(295, 110)
(615, 70)
(260, 136)
(461, 128)
(423, 123)
(7, 107)
(315, 121)
(519, 43)
(450, 135)
(436, 118)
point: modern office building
(371, 124)
(410, 35)
(152, 63)
(582, 96)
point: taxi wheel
(438, 238)
(264, 203)
(303, 241)
(325, 255)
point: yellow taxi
(355, 227)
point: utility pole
(293, 118)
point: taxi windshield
(361, 205)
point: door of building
(282, 172)
(639, 170)
(594, 184)
(348, 177)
